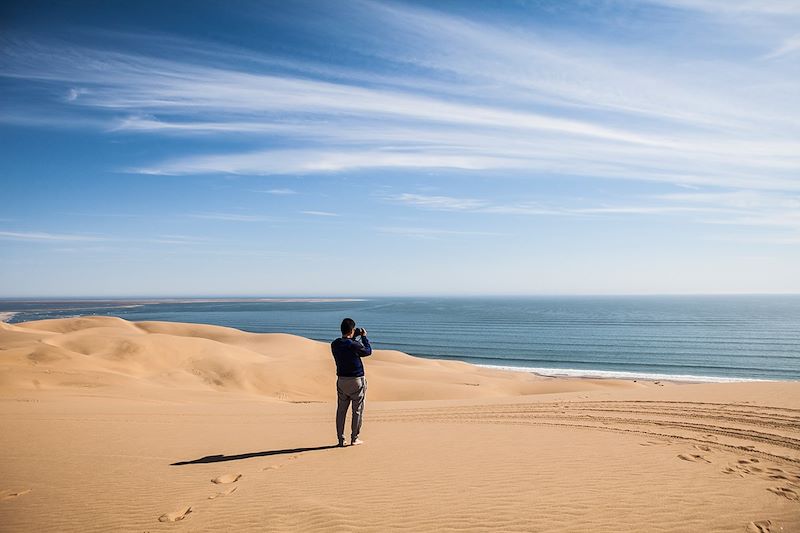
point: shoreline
(5, 316)
(573, 373)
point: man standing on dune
(351, 385)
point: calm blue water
(710, 337)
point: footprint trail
(175, 516)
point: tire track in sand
(751, 433)
(740, 428)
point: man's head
(348, 326)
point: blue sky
(385, 148)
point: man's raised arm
(363, 348)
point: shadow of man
(224, 458)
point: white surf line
(611, 374)
(5, 316)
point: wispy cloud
(770, 24)
(440, 91)
(176, 239)
(38, 236)
(447, 203)
(743, 208)
(232, 217)
(74, 94)
(433, 233)
(788, 46)
(472, 205)
(280, 192)
(314, 161)
(484, 98)
(320, 213)
(765, 7)
(741, 199)
(747, 208)
(89, 239)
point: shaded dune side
(109, 352)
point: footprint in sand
(8, 495)
(271, 467)
(786, 492)
(175, 516)
(227, 492)
(729, 470)
(702, 447)
(762, 526)
(744, 466)
(777, 474)
(225, 479)
(694, 457)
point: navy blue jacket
(348, 354)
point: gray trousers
(350, 390)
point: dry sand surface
(108, 425)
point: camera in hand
(358, 332)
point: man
(351, 385)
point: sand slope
(107, 425)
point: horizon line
(104, 298)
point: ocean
(700, 338)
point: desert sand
(108, 425)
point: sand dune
(108, 425)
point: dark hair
(348, 325)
